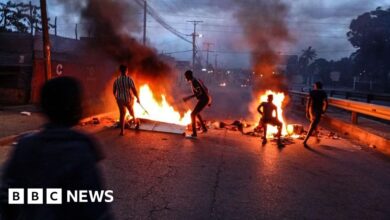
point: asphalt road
(225, 175)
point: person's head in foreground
(317, 85)
(61, 101)
(189, 75)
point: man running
(201, 93)
(316, 106)
(266, 110)
(124, 92)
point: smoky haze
(110, 24)
(265, 30)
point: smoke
(111, 24)
(265, 30)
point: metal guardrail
(368, 96)
(377, 111)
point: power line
(161, 21)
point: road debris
(25, 113)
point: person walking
(315, 108)
(124, 92)
(201, 93)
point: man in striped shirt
(124, 92)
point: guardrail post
(354, 117)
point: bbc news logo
(18, 196)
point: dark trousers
(202, 103)
(272, 121)
(123, 105)
(315, 118)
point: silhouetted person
(267, 110)
(124, 92)
(204, 99)
(316, 106)
(55, 157)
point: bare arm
(188, 97)
(308, 108)
(325, 105)
(134, 90)
(135, 93)
(276, 112)
(308, 104)
(259, 109)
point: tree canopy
(20, 17)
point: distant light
(204, 70)
(200, 35)
(222, 84)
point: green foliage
(20, 17)
(370, 33)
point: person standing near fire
(267, 110)
(124, 92)
(201, 93)
(315, 108)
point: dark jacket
(57, 157)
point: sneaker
(191, 136)
(264, 142)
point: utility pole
(194, 35)
(207, 50)
(31, 18)
(75, 31)
(55, 26)
(46, 40)
(145, 11)
(216, 61)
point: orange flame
(158, 111)
(278, 102)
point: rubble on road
(25, 113)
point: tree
(20, 17)
(320, 70)
(304, 60)
(370, 33)
(6, 11)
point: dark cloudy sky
(321, 24)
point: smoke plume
(110, 24)
(265, 30)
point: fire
(278, 102)
(158, 111)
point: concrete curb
(373, 140)
(12, 138)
